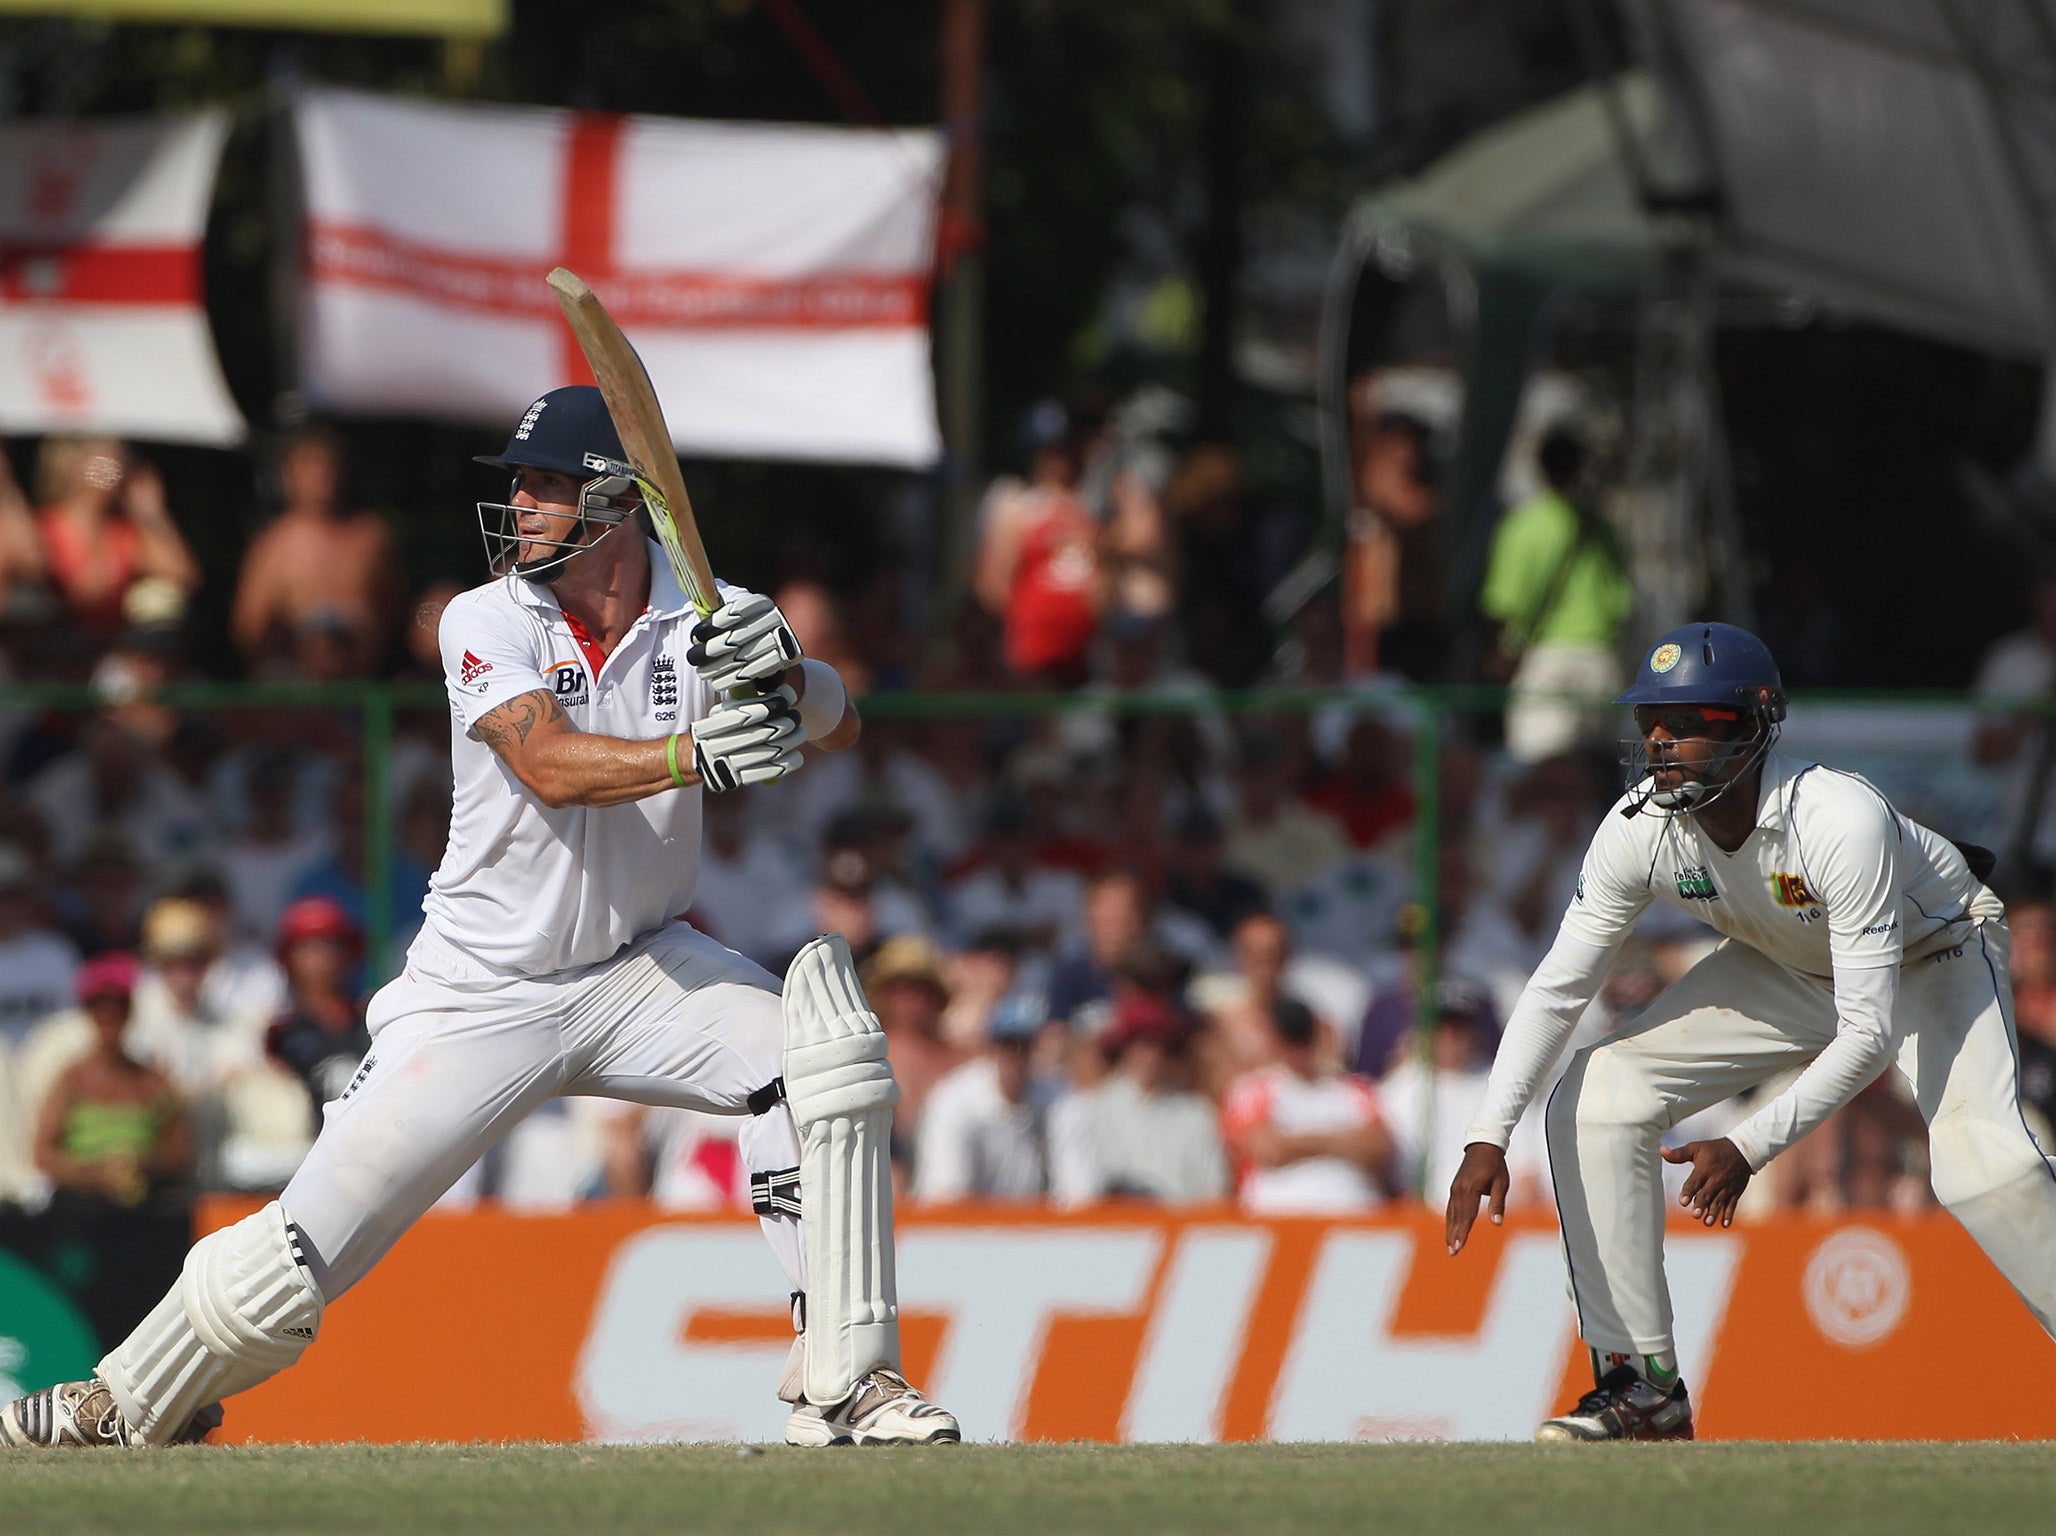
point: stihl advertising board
(618, 1323)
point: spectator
(320, 1036)
(1389, 1022)
(1556, 589)
(1038, 561)
(101, 906)
(1225, 568)
(2021, 743)
(318, 559)
(1008, 890)
(1141, 1134)
(215, 1059)
(270, 854)
(341, 875)
(905, 983)
(1430, 1094)
(244, 978)
(1307, 1140)
(1369, 792)
(748, 887)
(111, 1130)
(22, 569)
(1392, 576)
(117, 783)
(681, 1159)
(37, 964)
(2032, 923)
(982, 1134)
(1118, 920)
(104, 525)
(1199, 882)
(1274, 838)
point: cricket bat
(639, 419)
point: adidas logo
(471, 669)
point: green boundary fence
(379, 703)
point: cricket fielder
(590, 710)
(1855, 938)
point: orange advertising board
(617, 1322)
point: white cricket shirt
(1833, 883)
(1832, 878)
(527, 889)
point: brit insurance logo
(664, 688)
(1696, 884)
(567, 682)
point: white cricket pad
(839, 1086)
(243, 1310)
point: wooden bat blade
(639, 419)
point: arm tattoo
(507, 727)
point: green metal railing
(1430, 709)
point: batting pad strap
(775, 1192)
(839, 1079)
(766, 1098)
(244, 1309)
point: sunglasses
(1682, 721)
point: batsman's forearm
(577, 768)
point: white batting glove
(743, 643)
(748, 741)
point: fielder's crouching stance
(590, 709)
(1854, 938)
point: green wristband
(671, 762)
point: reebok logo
(471, 669)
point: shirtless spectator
(103, 526)
(317, 558)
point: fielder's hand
(1482, 1176)
(748, 741)
(743, 643)
(1719, 1175)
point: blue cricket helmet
(1710, 664)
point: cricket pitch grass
(1489, 1490)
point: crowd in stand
(1173, 955)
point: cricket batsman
(1854, 938)
(591, 709)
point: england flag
(774, 278)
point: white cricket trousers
(1737, 1019)
(459, 1054)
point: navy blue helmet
(1702, 682)
(568, 432)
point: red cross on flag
(102, 328)
(774, 278)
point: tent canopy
(1895, 159)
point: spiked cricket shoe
(883, 1410)
(1624, 1407)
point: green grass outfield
(1751, 1490)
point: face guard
(1728, 765)
(605, 502)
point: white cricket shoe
(883, 1410)
(83, 1413)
